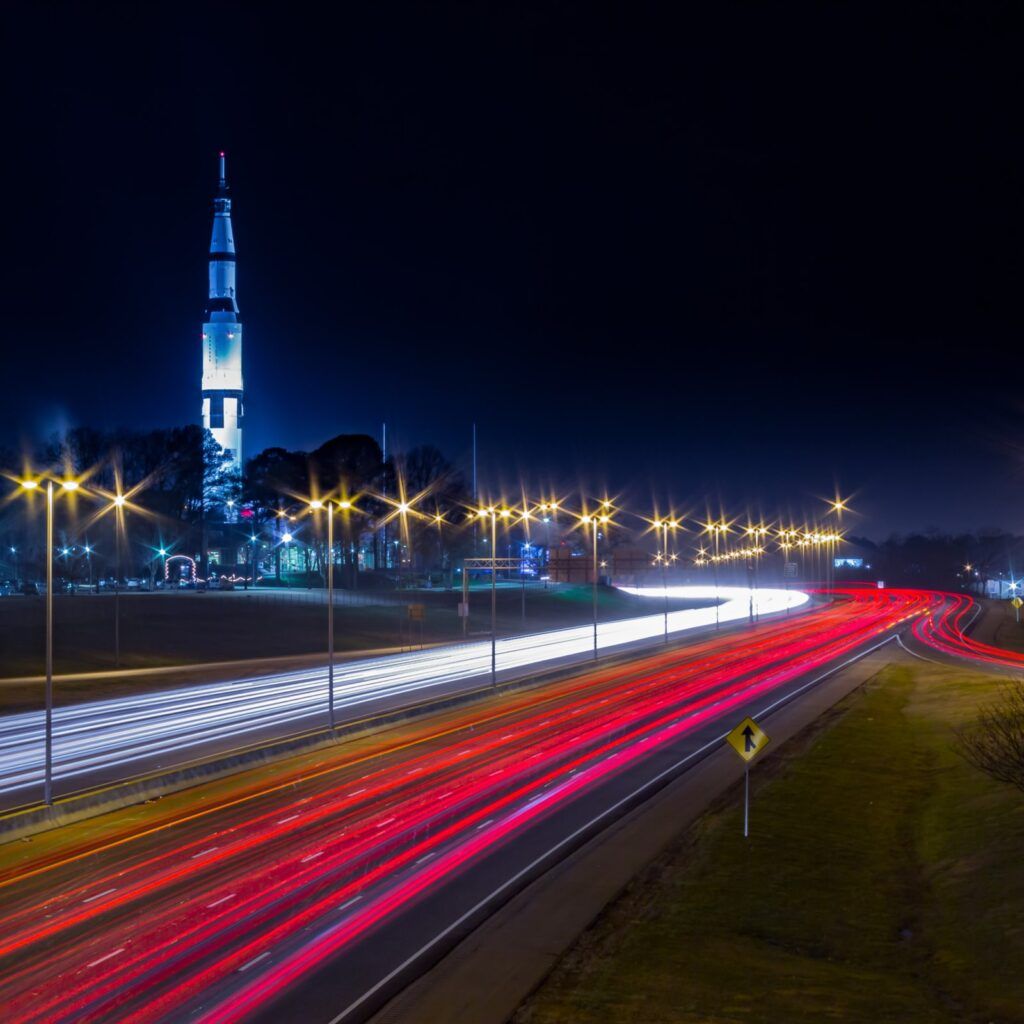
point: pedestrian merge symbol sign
(748, 739)
(1017, 602)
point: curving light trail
(125, 736)
(214, 914)
(945, 633)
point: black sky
(747, 253)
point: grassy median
(883, 881)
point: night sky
(754, 254)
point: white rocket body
(222, 336)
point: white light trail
(125, 736)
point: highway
(944, 636)
(105, 741)
(316, 895)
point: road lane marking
(106, 892)
(223, 899)
(96, 963)
(254, 960)
(312, 856)
(290, 818)
(203, 853)
(348, 903)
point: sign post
(748, 739)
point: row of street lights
(403, 509)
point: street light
(663, 526)
(494, 514)
(316, 504)
(716, 530)
(593, 521)
(117, 503)
(33, 485)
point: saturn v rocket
(222, 336)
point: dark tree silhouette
(994, 742)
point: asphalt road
(317, 895)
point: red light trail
(216, 912)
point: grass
(999, 626)
(883, 881)
(160, 630)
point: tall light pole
(33, 485)
(785, 544)
(716, 530)
(594, 521)
(491, 513)
(663, 526)
(837, 507)
(48, 767)
(118, 502)
(317, 504)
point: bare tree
(994, 742)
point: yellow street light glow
(316, 503)
(345, 504)
(69, 485)
(505, 513)
(482, 513)
(30, 485)
(118, 501)
(403, 507)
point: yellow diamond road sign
(1017, 602)
(748, 739)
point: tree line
(179, 490)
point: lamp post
(785, 544)
(716, 530)
(549, 509)
(315, 505)
(664, 525)
(33, 485)
(593, 522)
(836, 508)
(118, 503)
(492, 514)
